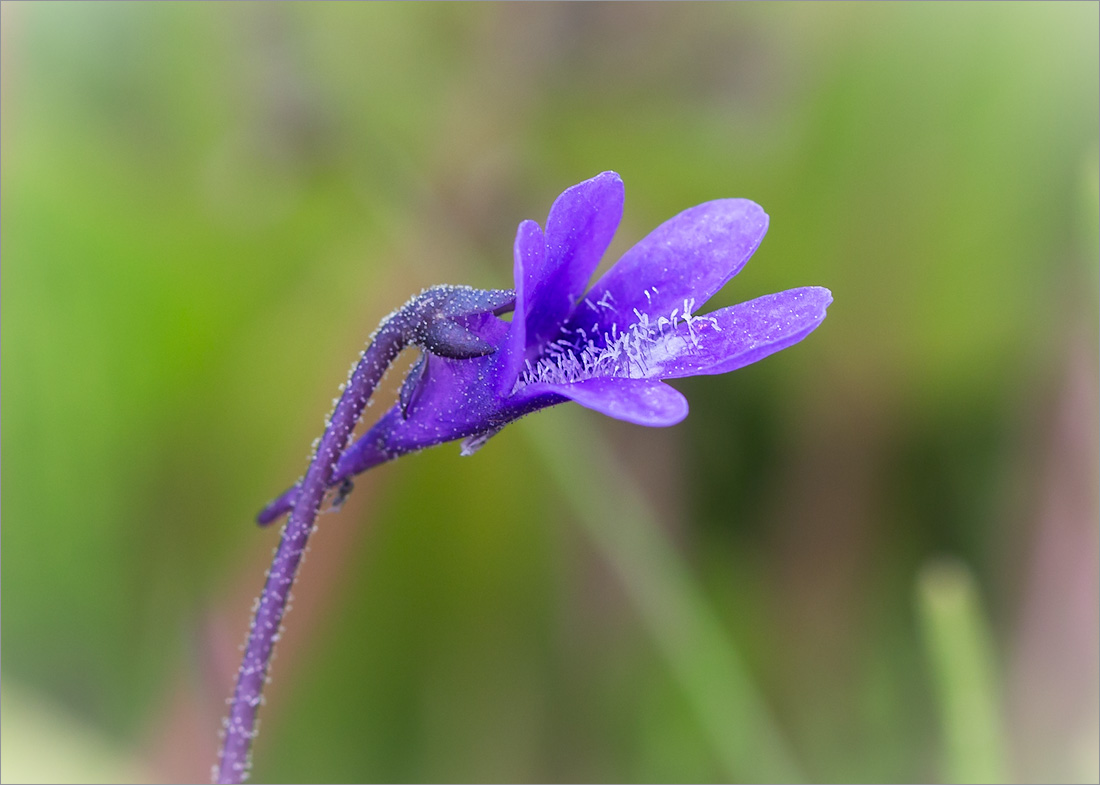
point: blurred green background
(871, 557)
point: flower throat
(635, 352)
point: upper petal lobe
(528, 254)
(689, 257)
(579, 228)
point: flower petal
(731, 338)
(689, 257)
(579, 228)
(529, 253)
(641, 401)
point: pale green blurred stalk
(960, 653)
(613, 510)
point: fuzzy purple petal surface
(455, 399)
(739, 335)
(641, 401)
(688, 257)
(579, 228)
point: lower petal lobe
(640, 401)
(731, 338)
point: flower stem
(427, 320)
(393, 335)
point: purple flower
(609, 349)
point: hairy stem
(426, 320)
(395, 333)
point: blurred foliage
(207, 208)
(962, 658)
